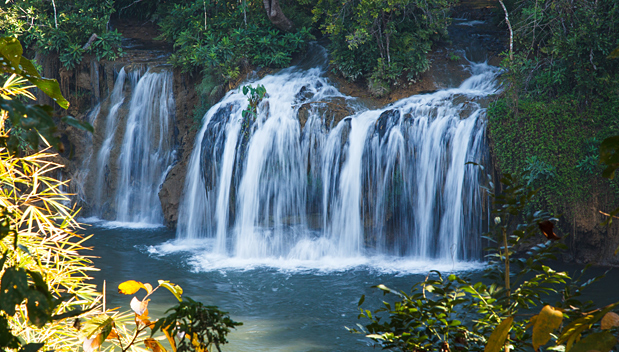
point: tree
(276, 15)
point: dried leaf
(548, 320)
(547, 228)
(496, 341)
(139, 307)
(154, 345)
(610, 320)
(113, 335)
(92, 344)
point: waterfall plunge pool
(284, 305)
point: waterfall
(136, 148)
(318, 175)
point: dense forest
(552, 131)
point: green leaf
(10, 54)
(39, 310)
(176, 290)
(361, 300)
(31, 347)
(82, 125)
(48, 86)
(99, 323)
(599, 341)
(609, 155)
(496, 341)
(12, 61)
(7, 339)
(13, 286)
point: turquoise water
(284, 306)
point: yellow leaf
(154, 345)
(176, 290)
(130, 287)
(531, 322)
(611, 319)
(197, 345)
(496, 341)
(548, 320)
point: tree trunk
(276, 15)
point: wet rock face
(185, 134)
(331, 112)
(385, 122)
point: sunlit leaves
(548, 320)
(11, 61)
(497, 339)
(139, 307)
(130, 287)
(176, 290)
(154, 345)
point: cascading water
(147, 151)
(136, 148)
(301, 183)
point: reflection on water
(282, 308)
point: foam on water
(202, 258)
(111, 224)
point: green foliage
(65, 30)
(560, 98)
(381, 40)
(557, 141)
(455, 314)
(198, 326)
(254, 97)
(563, 49)
(229, 37)
(25, 125)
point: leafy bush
(62, 27)
(380, 40)
(229, 37)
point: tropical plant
(190, 327)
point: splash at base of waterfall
(201, 257)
